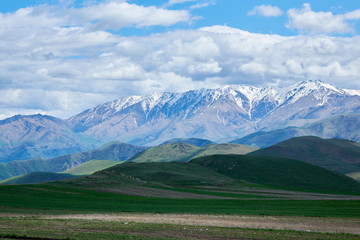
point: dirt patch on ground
(155, 192)
(309, 224)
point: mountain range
(219, 115)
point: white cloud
(307, 21)
(50, 67)
(266, 11)
(116, 15)
(354, 15)
(172, 2)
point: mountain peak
(214, 114)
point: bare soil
(308, 224)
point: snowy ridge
(230, 111)
(239, 94)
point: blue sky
(215, 12)
(60, 57)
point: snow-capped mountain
(214, 114)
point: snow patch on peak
(319, 89)
(352, 92)
(122, 103)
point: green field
(211, 196)
(50, 199)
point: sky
(60, 57)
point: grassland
(216, 197)
(334, 154)
(90, 167)
(278, 172)
(127, 227)
(49, 199)
(184, 152)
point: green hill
(340, 126)
(224, 148)
(169, 173)
(354, 175)
(191, 141)
(278, 172)
(90, 167)
(334, 154)
(180, 152)
(112, 151)
(37, 177)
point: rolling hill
(278, 172)
(334, 154)
(181, 152)
(115, 151)
(37, 177)
(178, 152)
(168, 173)
(220, 172)
(342, 126)
(90, 167)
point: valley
(262, 168)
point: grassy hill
(90, 167)
(354, 175)
(334, 154)
(37, 177)
(191, 141)
(181, 152)
(224, 148)
(168, 173)
(226, 170)
(278, 172)
(341, 126)
(112, 151)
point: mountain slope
(37, 177)
(173, 152)
(278, 172)
(191, 141)
(213, 114)
(180, 152)
(341, 126)
(25, 137)
(334, 154)
(169, 173)
(112, 151)
(90, 167)
(224, 148)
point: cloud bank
(60, 61)
(307, 21)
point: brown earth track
(309, 224)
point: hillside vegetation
(181, 152)
(115, 151)
(278, 172)
(37, 177)
(334, 154)
(90, 167)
